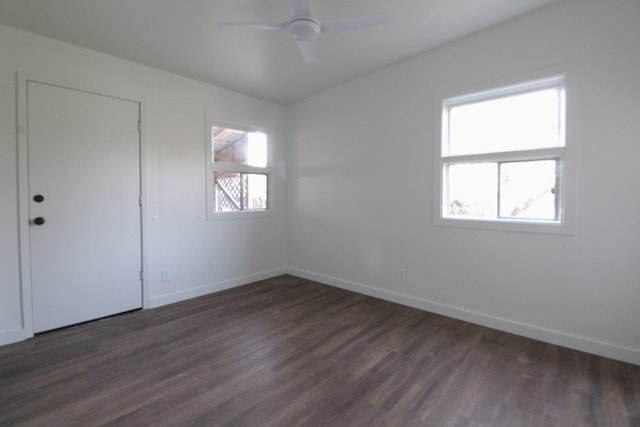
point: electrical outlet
(401, 273)
(164, 275)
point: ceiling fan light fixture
(304, 29)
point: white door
(84, 189)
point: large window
(502, 155)
(238, 170)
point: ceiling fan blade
(255, 25)
(309, 52)
(302, 9)
(356, 22)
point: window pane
(239, 147)
(240, 191)
(518, 122)
(527, 190)
(472, 190)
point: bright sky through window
(257, 152)
(518, 122)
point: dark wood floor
(289, 352)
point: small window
(502, 156)
(238, 170)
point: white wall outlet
(164, 275)
(401, 274)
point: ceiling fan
(305, 29)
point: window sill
(508, 225)
(240, 215)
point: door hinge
(140, 201)
(139, 126)
(141, 275)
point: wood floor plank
(291, 352)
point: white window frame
(562, 155)
(212, 167)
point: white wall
(201, 256)
(361, 185)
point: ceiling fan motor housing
(304, 29)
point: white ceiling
(180, 36)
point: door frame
(22, 80)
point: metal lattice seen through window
(240, 191)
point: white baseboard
(581, 343)
(186, 294)
(13, 336)
(16, 335)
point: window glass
(239, 147)
(240, 191)
(473, 190)
(527, 190)
(518, 122)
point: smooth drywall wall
(200, 256)
(361, 180)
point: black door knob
(38, 198)
(38, 221)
